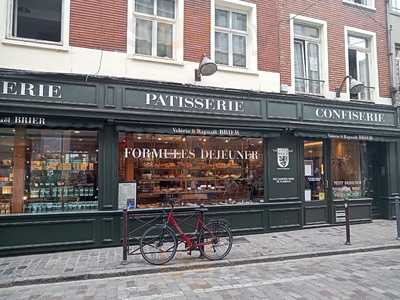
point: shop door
(315, 193)
(375, 177)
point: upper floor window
(367, 3)
(396, 5)
(37, 20)
(397, 65)
(307, 59)
(231, 37)
(359, 61)
(154, 27)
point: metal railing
(309, 86)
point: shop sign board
(17, 120)
(206, 131)
(283, 162)
(175, 101)
(348, 115)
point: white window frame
(397, 66)
(370, 5)
(14, 40)
(395, 6)
(250, 9)
(323, 49)
(373, 62)
(177, 36)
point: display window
(192, 169)
(349, 161)
(43, 170)
(314, 171)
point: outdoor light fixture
(206, 68)
(355, 86)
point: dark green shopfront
(76, 150)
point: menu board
(127, 195)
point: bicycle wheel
(158, 244)
(216, 239)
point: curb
(194, 266)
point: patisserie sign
(152, 153)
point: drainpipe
(390, 49)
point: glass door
(315, 193)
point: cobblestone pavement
(369, 275)
(108, 260)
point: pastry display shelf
(153, 194)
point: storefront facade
(75, 151)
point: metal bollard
(347, 214)
(125, 235)
(397, 205)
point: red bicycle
(159, 243)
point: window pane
(221, 48)
(143, 37)
(357, 42)
(346, 169)
(48, 170)
(239, 50)
(299, 66)
(166, 8)
(314, 171)
(313, 69)
(396, 4)
(145, 6)
(239, 21)
(164, 40)
(7, 173)
(192, 169)
(222, 18)
(32, 23)
(363, 71)
(304, 30)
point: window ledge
(34, 44)
(229, 69)
(348, 2)
(362, 101)
(167, 61)
(394, 11)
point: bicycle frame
(190, 243)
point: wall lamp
(206, 68)
(355, 86)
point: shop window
(314, 171)
(47, 170)
(155, 27)
(349, 167)
(37, 20)
(307, 59)
(192, 169)
(359, 62)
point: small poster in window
(127, 195)
(308, 168)
(307, 195)
(321, 196)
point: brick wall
(337, 14)
(99, 24)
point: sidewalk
(107, 262)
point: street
(369, 275)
